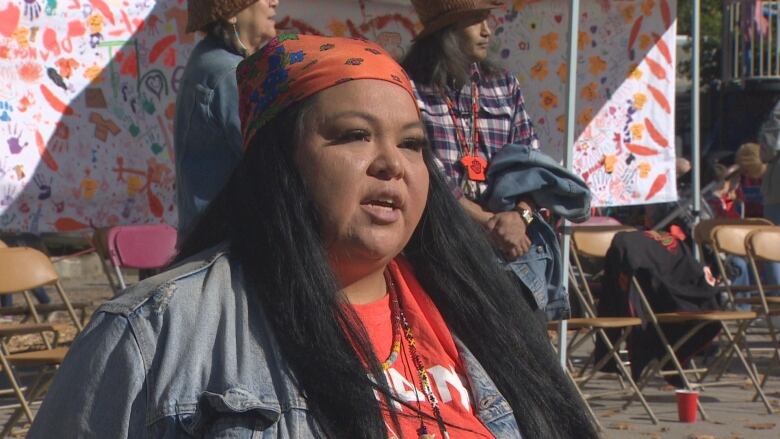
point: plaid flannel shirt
(502, 120)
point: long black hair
(438, 61)
(273, 230)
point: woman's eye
(355, 136)
(415, 144)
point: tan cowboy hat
(203, 12)
(438, 14)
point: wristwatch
(526, 214)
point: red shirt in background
(438, 353)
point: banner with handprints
(625, 91)
(87, 95)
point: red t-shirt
(438, 353)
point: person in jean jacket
(323, 294)
(207, 130)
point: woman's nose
(388, 163)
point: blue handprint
(5, 108)
(51, 7)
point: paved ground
(731, 413)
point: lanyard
(459, 129)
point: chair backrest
(730, 239)
(24, 268)
(702, 232)
(594, 241)
(764, 244)
(599, 221)
(141, 246)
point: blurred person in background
(207, 130)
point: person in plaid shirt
(458, 89)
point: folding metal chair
(763, 245)
(22, 269)
(703, 237)
(149, 246)
(594, 327)
(42, 309)
(595, 241)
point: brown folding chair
(595, 242)
(763, 245)
(42, 309)
(702, 236)
(729, 240)
(22, 269)
(590, 326)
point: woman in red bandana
(324, 293)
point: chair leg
(69, 306)
(748, 369)
(119, 276)
(671, 355)
(775, 353)
(593, 416)
(626, 373)
(19, 395)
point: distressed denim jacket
(519, 170)
(207, 129)
(189, 354)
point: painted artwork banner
(625, 90)
(88, 87)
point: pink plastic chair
(599, 221)
(146, 246)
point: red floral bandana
(293, 67)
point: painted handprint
(51, 7)
(14, 145)
(5, 108)
(8, 196)
(45, 188)
(32, 9)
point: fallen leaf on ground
(761, 426)
(620, 426)
(608, 413)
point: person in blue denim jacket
(333, 289)
(207, 130)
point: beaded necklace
(395, 320)
(425, 382)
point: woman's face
(474, 34)
(360, 156)
(256, 23)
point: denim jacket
(207, 129)
(518, 170)
(189, 354)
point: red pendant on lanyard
(474, 165)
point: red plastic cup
(687, 405)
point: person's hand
(507, 231)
